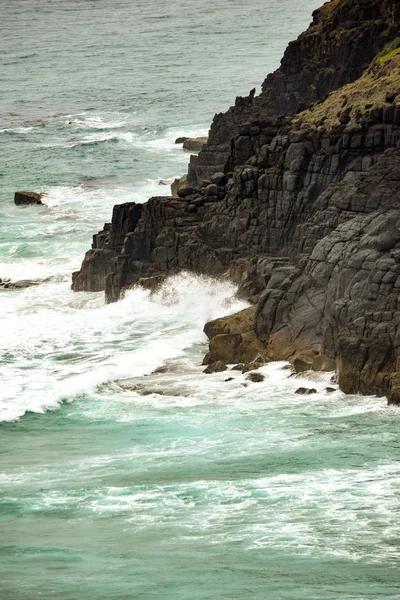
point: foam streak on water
(125, 472)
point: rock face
(340, 43)
(306, 220)
(107, 246)
(27, 198)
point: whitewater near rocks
(126, 472)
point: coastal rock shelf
(304, 218)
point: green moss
(388, 52)
(369, 89)
(388, 56)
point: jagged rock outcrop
(340, 43)
(107, 246)
(305, 219)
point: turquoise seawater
(125, 473)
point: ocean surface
(125, 473)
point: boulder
(302, 364)
(194, 144)
(219, 179)
(241, 322)
(255, 377)
(234, 348)
(27, 198)
(179, 184)
(390, 97)
(185, 192)
(216, 367)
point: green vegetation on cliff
(354, 102)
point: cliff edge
(296, 198)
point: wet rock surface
(7, 284)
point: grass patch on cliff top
(359, 97)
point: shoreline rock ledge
(294, 197)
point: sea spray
(74, 342)
(176, 484)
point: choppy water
(115, 481)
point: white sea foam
(16, 130)
(100, 342)
(105, 121)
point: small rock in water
(255, 377)
(180, 140)
(27, 198)
(239, 367)
(229, 379)
(305, 391)
(6, 284)
(330, 390)
(215, 367)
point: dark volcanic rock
(339, 45)
(302, 391)
(305, 220)
(255, 377)
(107, 246)
(27, 198)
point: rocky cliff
(302, 212)
(339, 45)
